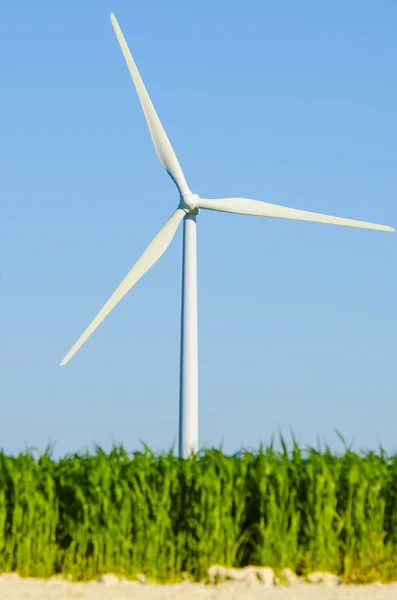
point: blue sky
(292, 103)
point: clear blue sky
(287, 102)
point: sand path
(15, 588)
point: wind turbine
(187, 210)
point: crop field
(94, 513)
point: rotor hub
(189, 202)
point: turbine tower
(187, 210)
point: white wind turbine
(188, 208)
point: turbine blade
(160, 140)
(153, 252)
(243, 206)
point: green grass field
(90, 514)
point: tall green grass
(88, 514)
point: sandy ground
(15, 588)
